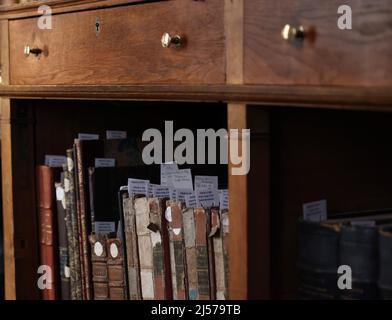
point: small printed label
(104, 227)
(151, 189)
(208, 182)
(181, 194)
(161, 192)
(173, 194)
(67, 272)
(224, 199)
(190, 200)
(182, 179)
(205, 198)
(105, 163)
(98, 249)
(115, 135)
(138, 187)
(167, 169)
(55, 161)
(88, 136)
(315, 211)
(59, 193)
(114, 250)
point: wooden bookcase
(312, 137)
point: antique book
(219, 258)
(225, 247)
(155, 228)
(145, 248)
(202, 257)
(318, 260)
(131, 253)
(190, 252)
(358, 248)
(116, 271)
(47, 229)
(72, 227)
(212, 228)
(173, 214)
(166, 250)
(99, 259)
(63, 242)
(385, 262)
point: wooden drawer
(327, 55)
(127, 49)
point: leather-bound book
(99, 259)
(72, 227)
(132, 254)
(225, 246)
(47, 228)
(359, 250)
(191, 256)
(116, 272)
(318, 260)
(155, 228)
(166, 250)
(385, 261)
(177, 249)
(63, 242)
(212, 228)
(203, 276)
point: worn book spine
(190, 250)
(131, 245)
(74, 234)
(47, 229)
(177, 249)
(202, 264)
(212, 227)
(225, 247)
(116, 271)
(84, 220)
(155, 228)
(145, 248)
(219, 261)
(166, 251)
(91, 197)
(62, 242)
(99, 259)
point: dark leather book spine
(155, 229)
(63, 242)
(132, 254)
(116, 272)
(385, 277)
(74, 234)
(84, 221)
(177, 250)
(318, 260)
(99, 267)
(47, 229)
(203, 277)
(91, 191)
(359, 250)
(166, 251)
(212, 227)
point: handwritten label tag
(105, 163)
(55, 161)
(138, 187)
(181, 193)
(167, 169)
(223, 199)
(205, 198)
(208, 182)
(182, 179)
(115, 135)
(88, 136)
(191, 201)
(315, 211)
(104, 227)
(161, 192)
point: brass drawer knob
(290, 33)
(168, 40)
(34, 51)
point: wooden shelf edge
(373, 99)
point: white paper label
(190, 200)
(55, 161)
(181, 194)
(59, 193)
(315, 211)
(88, 136)
(98, 249)
(208, 182)
(182, 179)
(167, 169)
(113, 250)
(168, 214)
(138, 187)
(224, 199)
(104, 227)
(160, 192)
(205, 198)
(115, 135)
(105, 163)
(67, 272)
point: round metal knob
(168, 40)
(35, 51)
(290, 33)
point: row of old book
(103, 242)
(348, 257)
